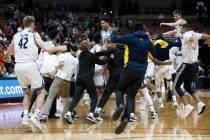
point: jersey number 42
(23, 43)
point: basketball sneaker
(68, 117)
(201, 108)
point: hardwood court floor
(167, 127)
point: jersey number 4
(23, 43)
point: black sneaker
(121, 127)
(68, 117)
(91, 119)
(118, 112)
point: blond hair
(27, 20)
(84, 45)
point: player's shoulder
(182, 21)
(17, 33)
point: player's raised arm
(42, 45)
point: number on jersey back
(23, 43)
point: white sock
(68, 113)
(160, 100)
(132, 115)
(174, 98)
(25, 112)
(37, 113)
(151, 108)
(98, 109)
(148, 98)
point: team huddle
(116, 64)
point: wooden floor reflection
(168, 126)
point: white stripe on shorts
(178, 74)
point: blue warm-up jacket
(139, 45)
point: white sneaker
(36, 122)
(43, 118)
(187, 110)
(98, 112)
(58, 115)
(91, 118)
(154, 115)
(201, 108)
(25, 121)
(176, 105)
(133, 118)
(68, 117)
(161, 105)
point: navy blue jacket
(139, 46)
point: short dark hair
(138, 26)
(105, 19)
(177, 12)
(53, 33)
(97, 37)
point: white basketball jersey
(190, 47)
(25, 47)
(95, 49)
(106, 35)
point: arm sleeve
(152, 50)
(105, 52)
(121, 39)
(100, 61)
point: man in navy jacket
(139, 45)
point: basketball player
(24, 46)
(106, 30)
(164, 72)
(179, 21)
(189, 68)
(47, 64)
(99, 78)
(144, 90)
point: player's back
(25, 47)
